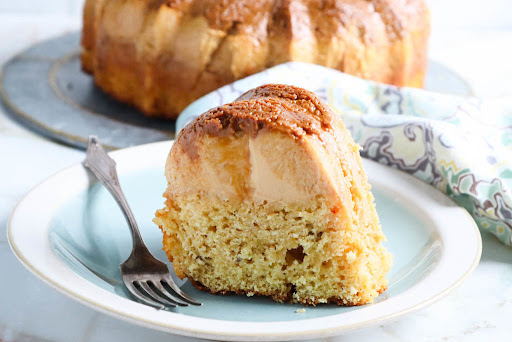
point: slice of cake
(267, 195)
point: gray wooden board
(45, 89)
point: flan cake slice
(267, 196)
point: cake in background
(161, 55)
(267, 196)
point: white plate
(69, 233)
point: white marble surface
(479, 310)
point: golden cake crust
(286, 298)
(161, 55)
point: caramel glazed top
(242, 15)
(284, 108)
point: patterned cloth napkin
(462, 146)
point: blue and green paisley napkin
(462, 146)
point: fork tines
(158, 293)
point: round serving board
(46, 90)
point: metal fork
(147, 278)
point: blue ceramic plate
(45, 89)
(70, 232)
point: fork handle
(104, 168)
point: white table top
(31, 311)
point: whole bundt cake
(160, 55)
(267, 195)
